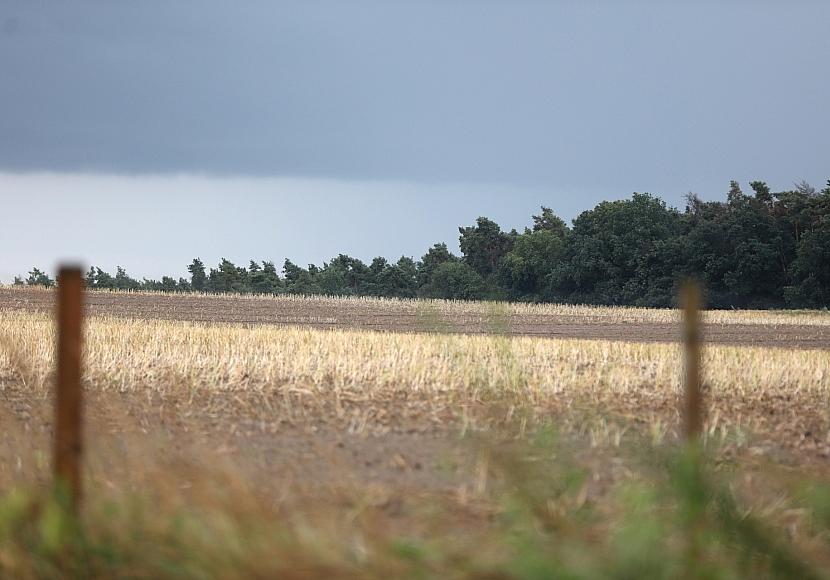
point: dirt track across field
(369, 315)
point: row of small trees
(760, 250)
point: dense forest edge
(759, 250)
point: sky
(143, 134)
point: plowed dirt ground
(412, 316)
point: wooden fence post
(693, 424)
(68, 443)
(693, 397)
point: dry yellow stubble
(176, 357)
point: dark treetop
(758, 250)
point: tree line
(754, 250)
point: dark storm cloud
(615, 96)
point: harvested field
(272, 386)
(759, 328)
(256, 410)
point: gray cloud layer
(402, 119)
(620, 96)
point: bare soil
(385, 452)
(390, 449)
(370, 316)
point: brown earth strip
(372, 316)
(130, 435)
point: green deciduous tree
(435, 256)
(198, 275)
(550, 222)
(39, 278)
(168, 284)
(769, 249)
(397, 280)
(811, 269)
(99, 279)
(300, 280)
(124, 282)
(525, 272)
(227, 278)
(344, 276)
(608, 248)
(263, 279)
(484, 245)
(456, 281)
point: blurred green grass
(679, 516)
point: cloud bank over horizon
(571, 96)
(399, 120)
